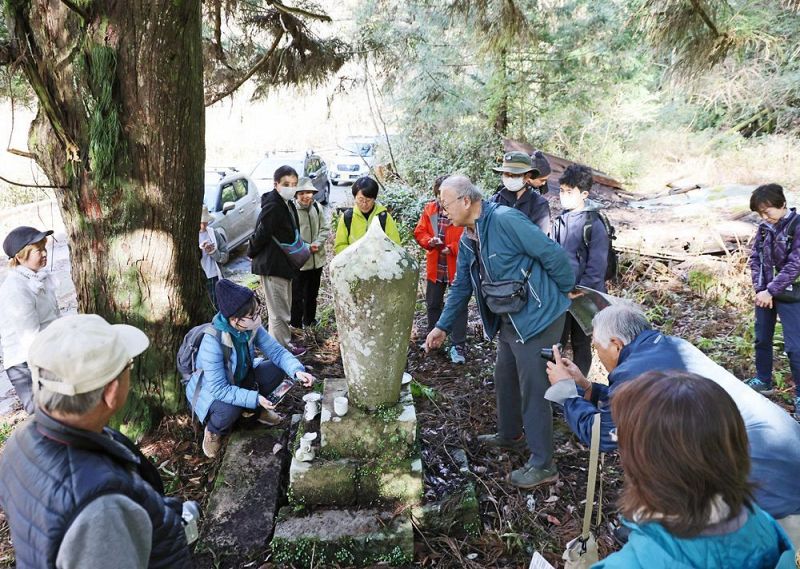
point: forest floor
(455, 403)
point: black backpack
(348, 219)
(612, 268)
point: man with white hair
(75, 492)
(520, 279)
(627, 348)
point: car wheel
(334, 182)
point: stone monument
(374, 285)
(345, 497)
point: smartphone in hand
(279, 392)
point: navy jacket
(510, 246)
(50, 471)
(532, 204)
(589, 263)
(773, 435)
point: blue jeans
(265, 377)
(789, 313)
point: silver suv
(233, 201)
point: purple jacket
(772, 267)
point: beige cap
(305, 185)
(84, 352)
(205, 217)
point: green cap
(516, 163)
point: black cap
(21, 237)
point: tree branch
(77, 9)
(7, 181)
(705, 17)
(250, 72)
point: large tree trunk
(121, 128)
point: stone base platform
(343, 537)
(387, 432)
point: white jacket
(28, 304)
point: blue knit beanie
(231, 297)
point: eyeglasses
(445, 206)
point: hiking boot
(762, 387)
(296, 350)
(457, 355)
(211, 444)
(495, 440)
(269, 417)
(529, 477)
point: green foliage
(419, 390)
(104, 125)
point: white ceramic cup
(340, 405)
(325, 416)
(311, 410)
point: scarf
(241, 343)
(37, 281)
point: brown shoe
(211, 444)
(269, 417)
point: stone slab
(345, 537)
(241, 508)
(323, 482)
(400, 483)
(361, 434)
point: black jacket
(277, 219)
(532, 204)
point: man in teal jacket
(501, 244)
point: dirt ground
(460, 404)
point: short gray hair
(79, 404)
(463, 186)
(622, 320)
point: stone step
(241, 509)
(345, 482)
(343, 537)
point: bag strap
(594, 453)
(348, 219)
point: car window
(313, 165)
(228, 193)
(266, 168)
(240, 187)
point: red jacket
(426, 229)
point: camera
(547, 353)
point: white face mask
(513, 184)
(251, 324)
(287, 192)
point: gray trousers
(20, 377)
(520, 380)
(434, 300)
(278, 295)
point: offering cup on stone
(340, 405)
(311, 410)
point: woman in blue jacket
(684, 453)
(231, 379)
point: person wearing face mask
(588, 257)
(229, 379)
(315, 229)
(277, 220)
(523, 178)
(28, 304)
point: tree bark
(121, 127)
